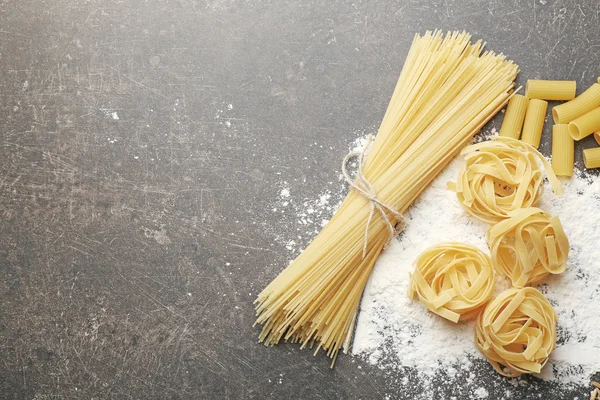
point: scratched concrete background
(143, 144)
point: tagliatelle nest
(596, 391)
(500, 176)
(528, 246)
(517, 330)
(453, 280)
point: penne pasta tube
(515, 114)
(563, 150)
(550, 90)
(597, 137)
(534, 122)
(585, 125)
(591, 157)
(580, 105)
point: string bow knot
(364, 187)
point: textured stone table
(143, 146)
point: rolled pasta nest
(528, 246)
(453, 280)
(500, 176)
(517, 330)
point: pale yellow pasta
(453, 280)
(517, 331)
(528, 246)
(580, 105)
(514, 116)
(591, 158)
(563, 150)
(447, 90)
(550, 90)
(585, 125)
(534, 122)
(500, 176)
(596, 385)
(597, 137)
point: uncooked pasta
(580, 105)
(500, 176)
(517, 331)
(454, 280)
(512, 124)
(563, 150)
(591, 158)
(534, 122)
(550, 90)
(447, 90)
(527, 246)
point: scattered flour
(358, 143)
(309, 215)
(398, 334)
(393, 330)
(481, 393)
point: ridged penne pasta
(585, 125)
(515, 114)
(534, 122)
(591, 158)
(550, 90)
(563, 150)
(580, 105)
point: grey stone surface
(142, 146)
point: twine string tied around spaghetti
(365, 188)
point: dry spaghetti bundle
(447, 90)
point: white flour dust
(394, 331)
